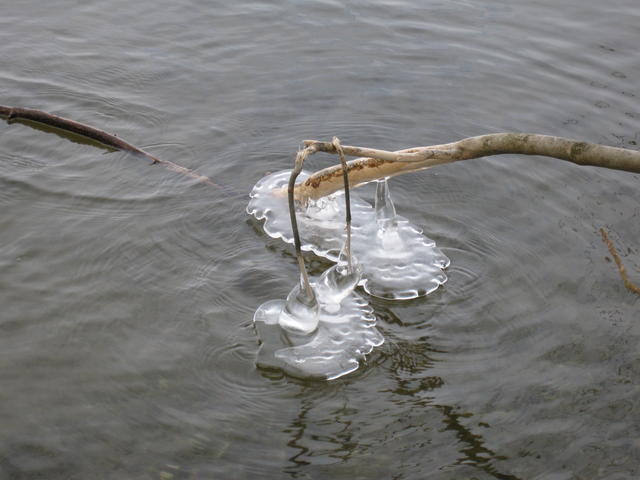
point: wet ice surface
(345, 334)
(398, 261)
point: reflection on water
(333, 436)
(126, 343)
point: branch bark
(378, 164)
(18, 113)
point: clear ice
(397, 260)
(344, 331)
(300, 311)
(338, 281)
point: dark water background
(127, 291)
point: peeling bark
(377, 164)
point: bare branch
(379, 164)
(100, 136)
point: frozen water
(397, 260)
(386, 216)
(322, 335)
(338, 281)
(344, 335)
(299, 313)
(321, 223)
(400, 262)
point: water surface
(127, 291)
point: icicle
(386, 216)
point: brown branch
(623, 271)
(378, 164)
(100, 136)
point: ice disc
(398, 261)
(344, 336)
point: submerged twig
(623, 271)
(100, 136)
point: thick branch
(17, 113)
(379, 164)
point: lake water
(127, 291)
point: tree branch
(378, 164)
(100, 136)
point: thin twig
(347, 201)
(623, 271)
(417, 154)
(299, 162)
(17, 113)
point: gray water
(127, 291)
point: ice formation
(398, 261)
(324, 329)
(323, 335)
(300, 311)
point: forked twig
(623, 271)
